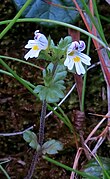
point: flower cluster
(75, 59)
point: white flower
(75, 58)
(39, 43)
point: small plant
(66, 53)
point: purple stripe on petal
(81, 46)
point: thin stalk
(15, 18)
(41, 139)
(41, 135)
(98, 19)
(66, 119)
(25, 81)
(21, 61)
(42, 123)
(16, 133)
(93, 20)
(59, 116)
(16, 76)
(105, 18)
(84, 174)
(85, 77)
(61, 24)
(33, 165)
(27, 85)
(5, 173)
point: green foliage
(65, 11)
(63, 43)
(56, 53)
(54, 84)
(94, 169)
(31, 138)
(52, 147)
(49, 147)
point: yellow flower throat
(35, 47)
(76, 59)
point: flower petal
(36, 32)
(32, 53)
(41, 39)
(85, 58)
(30, 44)
(79, 68)
(70, 65)
(66, 61)
(74, 46)
(37, 53)
(81, 46)
(28, 54)
(43, 42)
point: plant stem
(41, 138)
(93, 20)
(15, 18)
(61, 24)
(21, 61)
(84, 174)
(33, 165)
(84, 81)
(42, 123)
(25, 83)
(5, 173)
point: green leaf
(31, 138)
(28, 136)
(94, 169)
(64, 12)
(52, 147)
(63, 43)
(54, 84)
(60, 75)
(49, 53)
(38, 89)
(34, 145)
(56, 54)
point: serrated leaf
(52, 147)
(53, 95)
(63, 43)
(58, 93)
(43, 93)
(54, 84)
(38, 89)
(40, 9)
(60, 75)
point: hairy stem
(41, 138)
(33, 165)
(42, 123)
